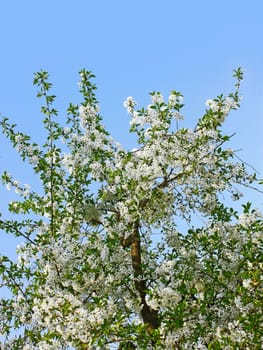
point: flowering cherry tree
(132, 249)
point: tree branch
(149, 315)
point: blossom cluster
(132, 248)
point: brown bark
(149, 316)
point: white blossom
(133, 245)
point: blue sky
(133, 48)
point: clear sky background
(133, 47)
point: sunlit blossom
(132, 248)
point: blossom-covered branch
(132, 249)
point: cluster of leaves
(90, 274)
